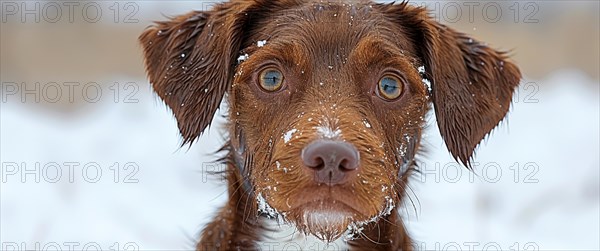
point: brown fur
(332, 56)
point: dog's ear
(190, 60)
(472, 84)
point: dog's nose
(332, 161)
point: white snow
(427, 84)
(425, 81)
(264, 207)
(288, 135)
(552, 204)
(242, 58)
(328, 133)
(367, 125)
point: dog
(326, 107)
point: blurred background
(91, 159)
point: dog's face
(327, 100)
(322, 81)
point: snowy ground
(553, 202)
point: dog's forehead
(326, 18)
(329, 30)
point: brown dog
(326, 107)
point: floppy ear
(190, 61)
(472, 84)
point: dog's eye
(390, 87)
(271, 79)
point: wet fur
(329, 62)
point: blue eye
(271, 79)
(390, 87)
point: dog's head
(327, 100)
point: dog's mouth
(325, 217)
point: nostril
(346, 166)
(318, 163)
